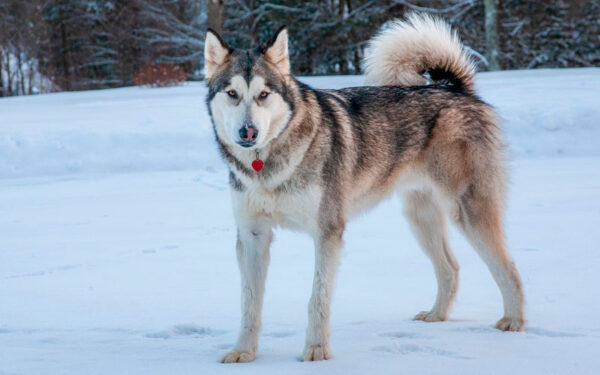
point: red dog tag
(257, 165)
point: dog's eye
(263, 94)
(232, 93)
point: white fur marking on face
(268, 115)
(229, 114)
(238, 83)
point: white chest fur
(295, 210)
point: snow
(120, 130)
(546, 113)
(134, 273)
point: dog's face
(249, 100)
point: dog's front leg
(327, 254)
(254, 240)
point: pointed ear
(216, 52)
(276, 51)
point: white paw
(238, 357)
(510, 324)
(429, 316)
(316, 353)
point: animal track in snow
(279, 335)
(404, 349)
(185, 330)
(404, 335)
(547, 333)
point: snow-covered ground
(546, 113)
(107, 272)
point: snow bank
(546, 112)
(117, 130)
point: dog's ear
(216, 53)
(276, 51)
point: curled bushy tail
(404, 51)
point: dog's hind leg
(464, 160)
(429, 225)
(254, 240)
(480, 220)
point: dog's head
(248, 97)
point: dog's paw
(429, 316)
(316, 353)
(510, 324)
(238, 357)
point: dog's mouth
(246, 144)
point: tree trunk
(215, 15)
(9, 89)
(64, 55)
(491, 34)
(357, 61)
(30, 77)
(1, 72)
(250, 22)
(20, 74)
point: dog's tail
(401, 53)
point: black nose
(248, 133)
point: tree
(85, 44)
(216, 8)
(22, 36)
(81, 55)
(491, 34)
(173, 32)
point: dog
(312, 159)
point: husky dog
(311, 159)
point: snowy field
(117, 252)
